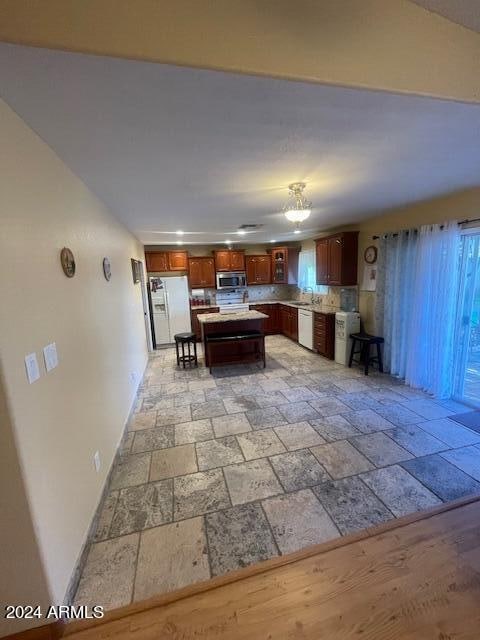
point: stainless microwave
(231, 280)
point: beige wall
(22, 577)
(379, 44)
(80, 407)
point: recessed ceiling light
(179, 242)
(297, 231)
(241, 232)
(228, 242)
(272, 240)
(180, 233)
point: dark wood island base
(234, 338)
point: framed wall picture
(68, 262)
(136, 270)
(107, 269)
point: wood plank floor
(417, 578)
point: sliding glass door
(467, 368)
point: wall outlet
(31, 365)
(50, 356)
(96, 461)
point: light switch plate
(31, 365)
(50, 356)
(96, 461)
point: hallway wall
(59, 421)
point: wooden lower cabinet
(289, 322)
(195, 323)
(271, 324)
(324, 334)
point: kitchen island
(233, 338)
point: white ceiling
(170, 148)
(464, 12)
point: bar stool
(366, 340)
(186, 339)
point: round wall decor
(370, 254)
(107, 270)
(68, 262)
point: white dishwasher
(305, 328)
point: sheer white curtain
(430, 356)
(399, 253)
(419, 289)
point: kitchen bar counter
(209, 318)
(233, 338)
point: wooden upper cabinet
(237, 260)
(201, 272)
(335, 261)
(156, 261)
(222, 260)
(284, 265)
(229, 260)
(337, 258)
(258, 269)
(178, 261)
(322, 261)
(263, 270)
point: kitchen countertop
(319, 308)
(203, 306)
(207, 318)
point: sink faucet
(305, 290)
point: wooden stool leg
(379, 356)
(366, 355)
(188, 348)
(178, 355)
(352, 350)
(195, 352)
(183, 354)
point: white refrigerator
(170, 307)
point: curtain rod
(466, 221)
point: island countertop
(208, 318)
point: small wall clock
(370, 254)
(107, 270)
(68, 262)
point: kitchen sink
(302, 304)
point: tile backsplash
(345, 298)
(273, 292)
(336, 297)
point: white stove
(232, 301)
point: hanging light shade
(297, 208)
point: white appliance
(231, 280)
(346, 322)
(170, 307)
(305, 328)
(232, 301)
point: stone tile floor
(220, 471)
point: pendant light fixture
(297, 209)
